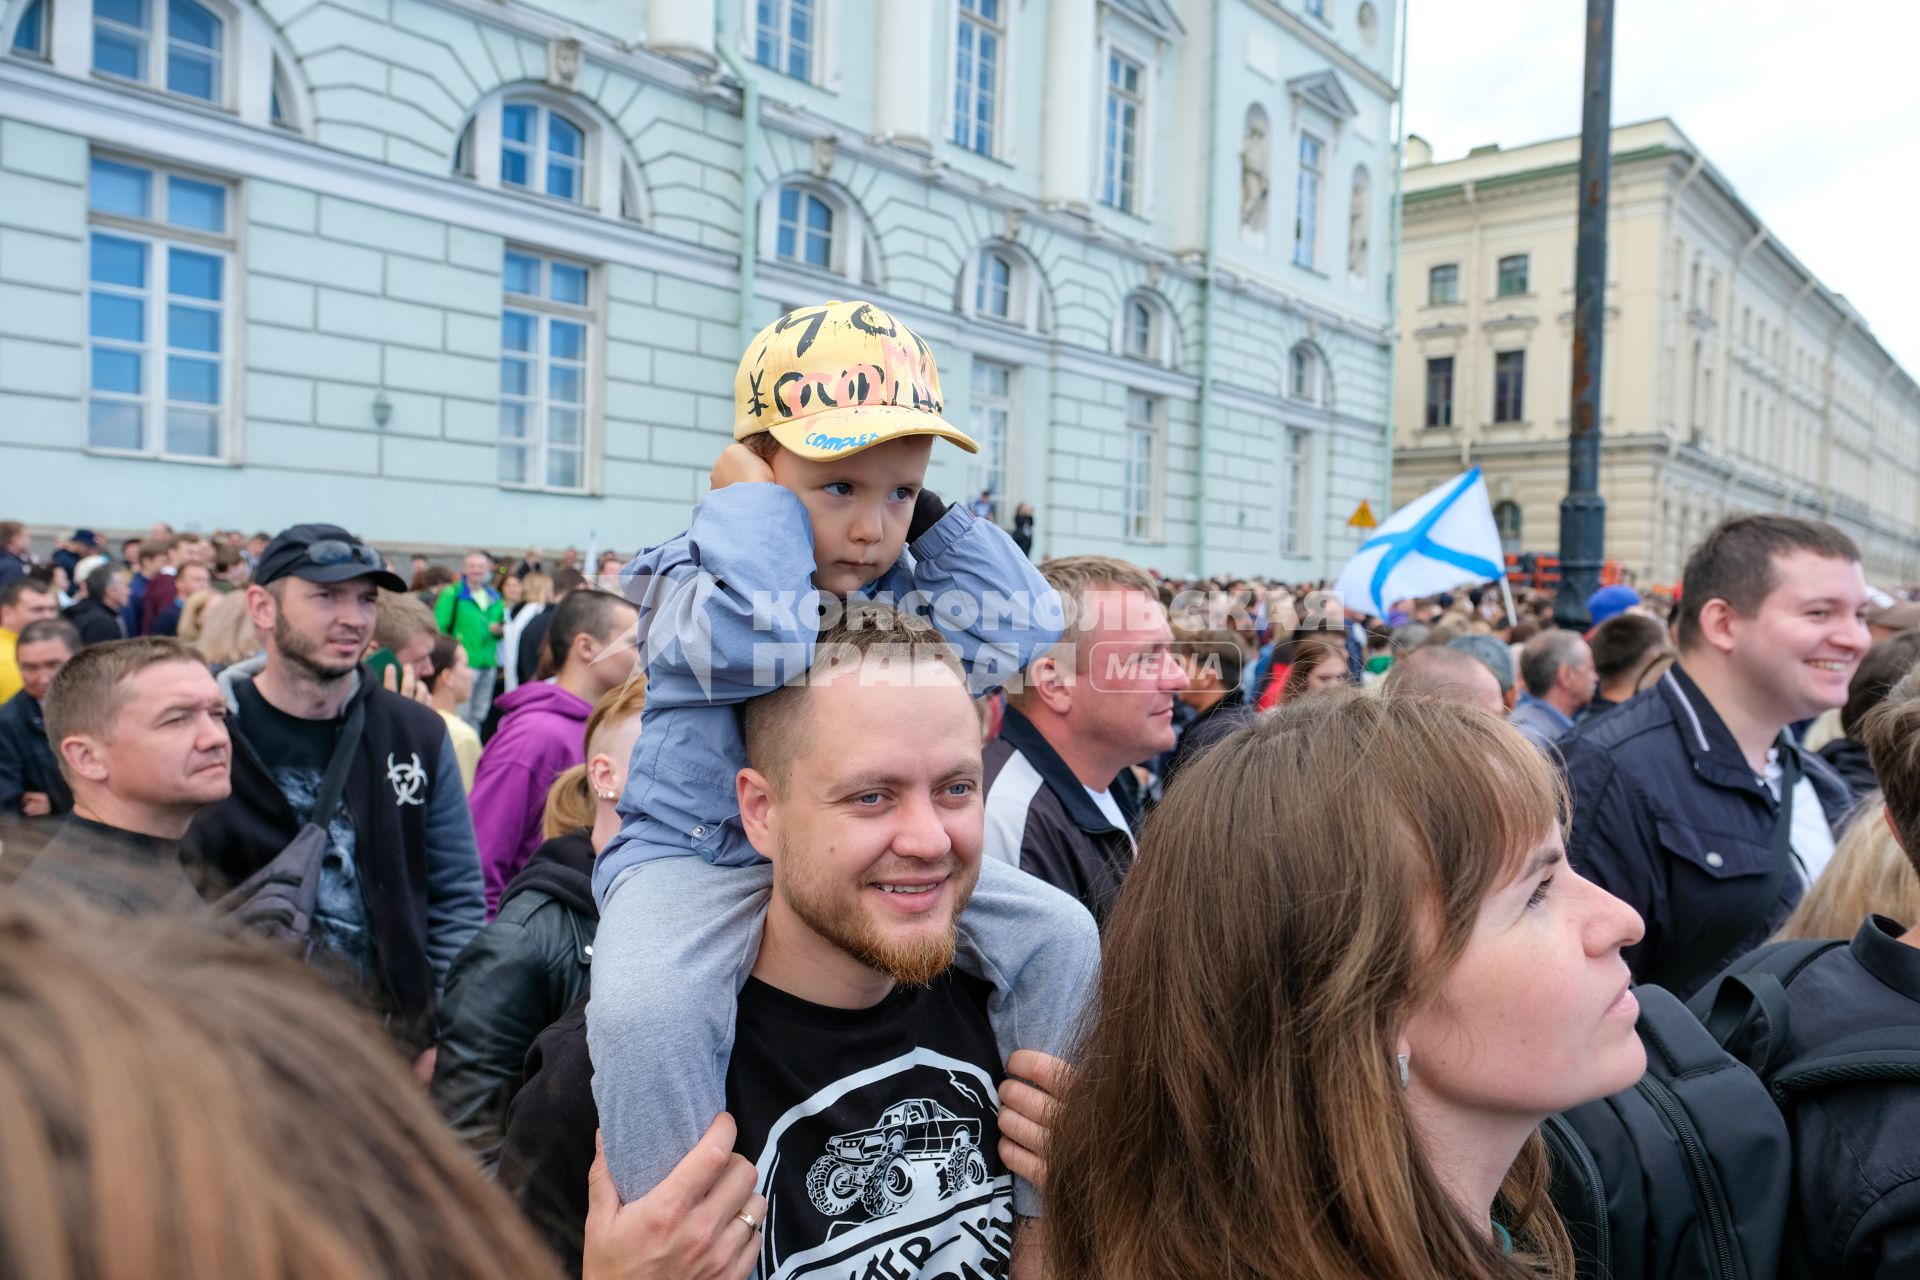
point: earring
(1405, 1074)
(606, 795)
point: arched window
(540, 142)
(30, 32)
(1145, 328)
(1001, 282)
(812, 224)
(1307, 374)
(542, 150)
(1506, 517)
(175, 45)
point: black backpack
(1685, 1176)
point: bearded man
(400, 891)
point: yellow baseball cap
(837, 378)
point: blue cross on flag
(1441, 539)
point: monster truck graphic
(873, 1166)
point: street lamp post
(1583, 512)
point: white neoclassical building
(478, 271)
(1734, 379)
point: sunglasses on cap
(332, 551)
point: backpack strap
(1882, 1054)
(1745, 1009)
(327, 799)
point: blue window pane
(193, 24)
(116, 371)
(563, 384)
(119, 55)
(193, 74)
(193, 275)
(513, 421)
(131, 13)
(516, 331)
(513, 464)
(195, 381)
(113, 424)
(117, 261)
(516, 122)
(121, 188)
(819, 215)
(789, 205)
(513, 167)
(797, 64)
(274, 109)
(563, 426)
(109, 315)
(27, 36)
(564, 137)
(563, 469)
(783, 244)
(820, 251)
(515, 378)
(523, 274)
(193, 433)
(200, 205)
(569, 284)
(193, 328)
(563, 180)
(568, 340)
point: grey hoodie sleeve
(456, 893)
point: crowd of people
(831, 890)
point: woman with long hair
(1868, 875)
(1319, 663)
(1329, 1060)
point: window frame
(993, 468)
(1501, 276)
(1144, 522)
(42, 48)
(546, 310)
(540, 158)
(157, 44)
(1439, 411)
(1510, 401)
(1433, 274)
(1026, 293)
(1158, 347)
(784, 28)
(1306, 374)
(1309, 209)
(854, 255)
(964, 130)
(1295, 458)
(1123, 195)
(156, 349)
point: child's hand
(738, 464)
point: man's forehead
(909, 718)
(1805, 575)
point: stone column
(1067, 158)
(904, 73)
(683, 28)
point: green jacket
(461, 617)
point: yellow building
(1733, 379)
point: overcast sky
(1810, 108)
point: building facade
(458, 272)
(1733, 380)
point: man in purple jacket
(543, 729)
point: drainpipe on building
(749, 196)
(1208, 288)
(1393, 255)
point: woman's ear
(602, 774)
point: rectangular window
(1306, 201)
(1120, 167)
(159, 322)
(976, 74)
(1140, 483)
(990, 421)
(546, 330)
(1513, 275)
(1440, 392)
(1443, 284)
(1293, 493)
(1509, 386)
(784, 35)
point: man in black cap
(400, 890)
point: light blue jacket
(728, 611)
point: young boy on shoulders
(819, 501)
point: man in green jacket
(475, 615)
